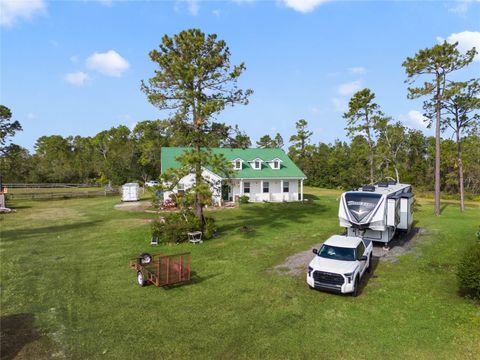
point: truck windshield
(337, 253)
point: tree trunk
(460, 171)
(396, 174)
(370, 145)
(437, 149)
(197, 202)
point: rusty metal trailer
(160, 269)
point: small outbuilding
(130, 192)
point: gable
(288, 169)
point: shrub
(210, 228)
(468, 271)
(173, 228)
(244, 199)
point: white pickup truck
(340, 264)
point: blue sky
(74, 67)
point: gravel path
(297, 264)
(133, 205)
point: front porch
(259, 190)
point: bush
(210, 228)
(173, 227)
(468, 271)
(244, 199)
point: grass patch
(64, 266)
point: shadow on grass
(443, 207)
(20, 207)
(16, 331)
(32, 232)
(369, 274)
(194, 280)
(274, 215)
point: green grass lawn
(66, 288)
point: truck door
(361, 252)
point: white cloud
(417, 118)
(76, 78)
(109, 63)
(74, 58)
(349, 88)
(303, 6)
(357, 70)
(31, 116)
(461, 7)
(193, 7)
(13, 10)
(339, 104)
(106, 2)
(466, 40)
(216, 12)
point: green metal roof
(288, 169)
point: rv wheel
(140, 279)
(356, 285)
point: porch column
(261, 190)
(301, 189)
(281, 190)
(241, 187)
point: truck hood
(333, 266)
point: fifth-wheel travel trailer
(376, 212)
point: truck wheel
(369, 269)
(356, 286)
(140, 279)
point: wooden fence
(61, 195)
(49, 186)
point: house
(260, 174)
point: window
(276, 164)
(180, 188)
(237, 165)
(360, 250)
(246, 188)
(337, 253)
(266, 187)
(286, 186)
(256, 164)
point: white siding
(275, 190)
(256, 194)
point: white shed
(130, 192)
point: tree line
(195, 81)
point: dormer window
(237, 164)
(275, 163)
(256, 164)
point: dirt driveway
(297, 264)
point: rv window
(361, 204)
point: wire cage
(163, 270)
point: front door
(225, 192)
